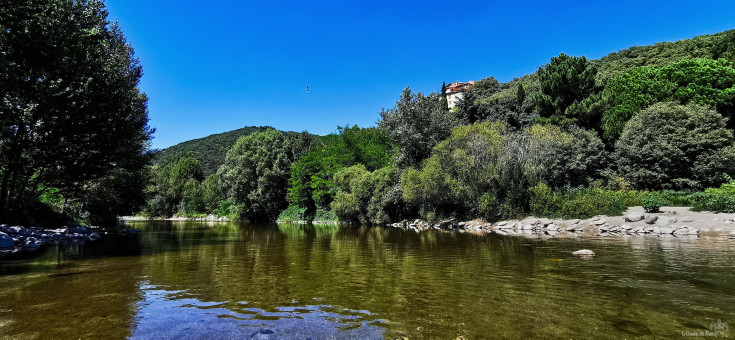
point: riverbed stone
(667, 230)
(665, 220)
(633, 217)
(6, 241)
(651, 219)
(599, 222)
(584, 252)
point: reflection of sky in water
(168, 314)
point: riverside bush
(653, 204)
(544, 202)
(292, 214)
(715, 202)
(670, 146)
(591, 202)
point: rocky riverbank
(174, 218)
(15, 239)
(670, 222)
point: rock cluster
(14, 239)
(661, 226)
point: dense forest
(649, 125)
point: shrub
(544, 202)
(670, 146)
(653, 204)
(720, 199)
(588, 203)
(292, 214)
(715, 202)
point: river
(214, 280)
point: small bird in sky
(307, 89)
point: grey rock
(651, 219)
(584, 252)
(576, 221)
(687, 219)
(633, 217)
(600, 222)
(667, 230)
(6, 241)
(665, 220)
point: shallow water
(183, 280)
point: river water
(214, 280)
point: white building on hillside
(455, 92)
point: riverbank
(670, 222)
(16, 239)
(174, 218)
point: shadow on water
(219, 280)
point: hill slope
(210, 150)
(711, 46)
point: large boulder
(651, 219)
(634, 217)
(6, 241)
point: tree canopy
(72, 111)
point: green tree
(671, 146)
(566, 82)
(72, 113)
(468, 110)
(256, 171)
(417, 123)
(312, 185)
(698, 81)
(175, 188)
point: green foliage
(715, 202)
(292, 214)
(256, 170)
(670, 146)
(210, 151)
(73, 116)
(416, 123)
(591, 202)
(698, 81)
(175, 188)
(312, 186)
(570, 158)
(467, 110)
(544, 202)
(653, 204)
(565, 84)
(367, 197)
(721, 199)
(664, 53)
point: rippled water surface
(183, 280)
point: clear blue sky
(215, 66)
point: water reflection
(198, 319)
(201, 280)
